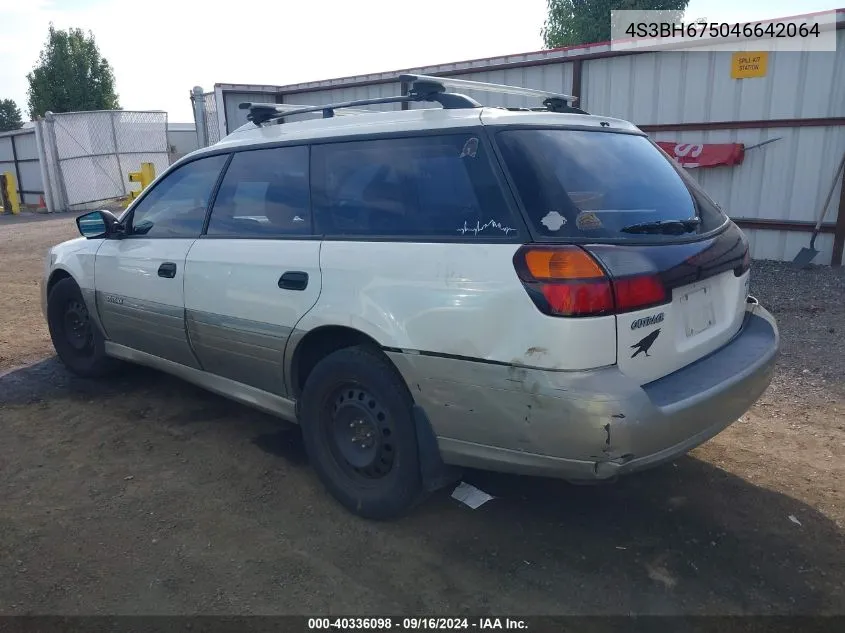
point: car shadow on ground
(687, 537)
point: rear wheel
(360, 434)
(79, 343)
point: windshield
(578, 183)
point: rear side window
(431, 186)
(576, 183)
(264, 193)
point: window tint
(176, 206)
(577, 183)
(436, 186)
(264, 193)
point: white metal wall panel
(784, 180)
(676, 87)
(5, 149)
(30, 181)
(28, 167)
(25, 146)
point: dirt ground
(145, 495)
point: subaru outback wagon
(529, 290)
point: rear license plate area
(697, 308)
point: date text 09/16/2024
(416, 624)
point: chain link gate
(205, 117)
(90, 154)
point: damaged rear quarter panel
(560, 414)
(461, 299)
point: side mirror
(98, 224)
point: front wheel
(360, 434)
(79, 343)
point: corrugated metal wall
(784, 180)
(676, 87)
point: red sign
(692, 155)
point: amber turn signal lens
(561, 264)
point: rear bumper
(589, 425)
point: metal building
(775, 194)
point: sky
(160, 53)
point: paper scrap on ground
(470, 495)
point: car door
(139, 278)
(256, 271)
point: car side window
(426, 186)
(264, 193)
(176, 206)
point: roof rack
(422, 88)
(551, 101)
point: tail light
(568, 281)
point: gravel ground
(145, 495)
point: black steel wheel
(77, 326)
(359, 432)
(78, 341)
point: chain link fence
(212, 130)
(90, 154)
(205, 117)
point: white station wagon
(533, 290)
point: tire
(360, 435)
(78, 341)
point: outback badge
(653, 319)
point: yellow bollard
(9, 193)
(145, 176)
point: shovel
(807, 255)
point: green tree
(71, 75)
(573, 22)
(10, 115)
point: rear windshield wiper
(667, 227)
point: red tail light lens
(568, 281)
(636, 293)
(579, 299)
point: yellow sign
(746, 65)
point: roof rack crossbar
(466, 84)
(262, 112)
(420, 88)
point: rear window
(577, 183)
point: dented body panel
(465, 302)
(588, 424)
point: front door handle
(167, 270)
(294, 280)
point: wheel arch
(307, 348)
(56, 275)
(88, 294)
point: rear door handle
(167, 270)
(294, 280)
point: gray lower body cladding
(245, 351)
(587, 425)
(148, 326)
